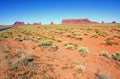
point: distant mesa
(28, 24)
(19, 23)
(113, 22)
(52, 23)
(102, 22)
(77, 21)
(37, 23)
(65, 21)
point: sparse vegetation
(79, 37)
(100, 75)
(68, 35)
(48, 44)
(80, 68)
(59, 40)
(94, 35)
(83, 50)
(18, 38)
(116, 56)
(105, 53)
(6, 34)
(117, 35)
(104, 34)
(109, 41)
(70, 47)
(31, 52)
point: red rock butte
(113, 22)
(19, 23)
(77, 21)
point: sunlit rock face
(19, 23)
(77, 21)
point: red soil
(65, 60)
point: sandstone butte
(113, 22)
(19, 23)
(77, 21)
(65, 21)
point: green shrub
(80, 68)
(28, 37)
(5, 34)
(103, 34)
(45, 43)
(49, 44)
(109, 41)
(69, 47)
(18, 38)
(83, 50)
(68, 35)
(97, 30)
(51, 37)
(79, 37)
(76, 45)
(117, 35)
(59, 40)
(54, 46)
(116, 56)
(94, 35)
(65, 43)
(26, 32)
(14, 68)
(105, 53)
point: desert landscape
(63, 51)
(59, 39)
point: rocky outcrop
(28, 24)
(102, 22)
(51, 23)
(113, 22)
(37, 23)
(19, 23)
(77, 21)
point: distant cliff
(77, 21)
(19, 23)
(36, 23)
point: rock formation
(28, 24)
(19, 23)
(37, 23)
(102, 22)
(113, 22)
(77, 21)
(51, 23)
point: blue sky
(45, 11)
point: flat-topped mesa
(77, 21)
(37, 23)
(113, 22)
(19, 23)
